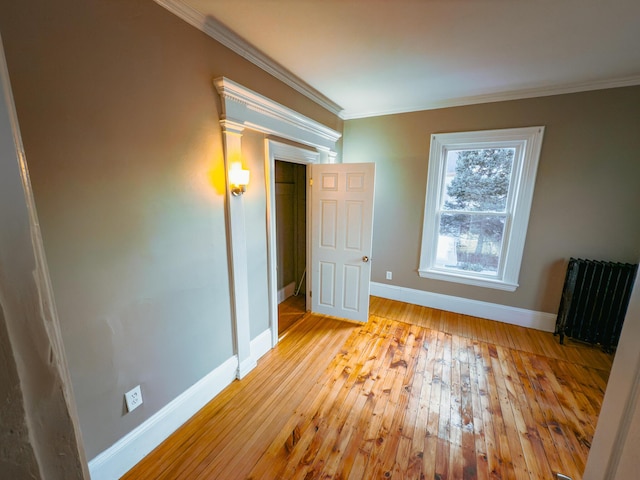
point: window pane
(478, 180)
(470, 242)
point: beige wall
(39, 436)
(120, 124)
(585, 197)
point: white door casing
(245, 109)
(341, 238)
(281, 151)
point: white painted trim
(249, 109)
(243, 108)
(246, 366)
(544, 91)
(309, 267)
(289, 153)
(261, 345)
(476, 282)
(286, 292)
(527, 143)
(491, 311)
(229, 39)
(237, 248)
(222, 34)
(133, 447)
(282, 151)
(272, 246)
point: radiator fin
(594, 301)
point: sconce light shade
(238, 179)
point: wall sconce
(238, 179)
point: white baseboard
(133, 447)
(258, 347)
(286, 292)
(245, 367)
(261, 344)
(492, 311)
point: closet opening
(291, 241)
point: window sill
(467, 280)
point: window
(479, 193)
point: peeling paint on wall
(40, 435)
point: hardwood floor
(415, 393)
(290, 311)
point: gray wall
(585, 198)
(120, 122)
(39, 436)
(120, 125)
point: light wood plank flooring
(415, 393)
(290, 311)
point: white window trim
(528, 141)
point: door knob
(365, 259)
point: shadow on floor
(290, 311)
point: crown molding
(242, 107)
(229, 39)
(502, 96)
(222, 34)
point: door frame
(242, 109)
(248, 109)
(277, 150)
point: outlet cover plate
(133, 398)
(389, 276)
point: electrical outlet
(133, 398)
(389, 276)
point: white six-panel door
(341, 229)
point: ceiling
(371, 57)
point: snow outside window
(479, 193)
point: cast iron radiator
(594, 301)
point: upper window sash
(474, 212)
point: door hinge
(311, 182)
(310, 294)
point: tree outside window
(474, 211)
(479, 194)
